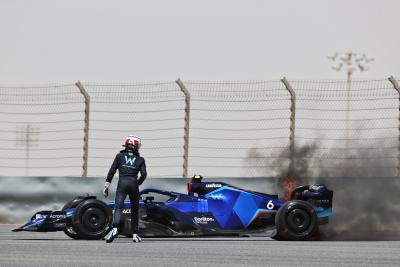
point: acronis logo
(129, 160)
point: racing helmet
(133, 141)
(197, 178)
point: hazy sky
(95, 40)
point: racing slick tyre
(92, 219)
(70, 205)
(296, 220)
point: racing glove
(105, 190)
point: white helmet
(133, 140)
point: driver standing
(129, 163)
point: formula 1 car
(209, 208)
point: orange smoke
(288, 186)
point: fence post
(292, 123)
(186, 127)
(397, 88)
(86, 128)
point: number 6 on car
(270, 205)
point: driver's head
(197, 178)
(133, 141)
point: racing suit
(128, 163)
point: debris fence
(229, 129)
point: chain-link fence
(233, 124)
(41, 130)
(153, 111)
(353, 127)
(233, 129)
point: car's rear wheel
(92, 219)
(69, 231)
(296, 220)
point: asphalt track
(56, 249)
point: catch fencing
(41, 130)
(153, 111)
(230, 129)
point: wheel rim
(298, 220)
(94, 220)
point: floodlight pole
(348, 88)
(351, 62)
(27, 139)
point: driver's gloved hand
(105, 190)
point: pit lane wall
(20, 197)
(363, 208)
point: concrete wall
(364, 208)
(20, 197)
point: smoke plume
(366, 201)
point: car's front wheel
(69, 231)
(92, 219)
(296, 220)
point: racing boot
(136, 238)
(113, 234)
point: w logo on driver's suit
(129, 160)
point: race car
(207, 209)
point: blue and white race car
(207, 209)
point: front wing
(47, 221)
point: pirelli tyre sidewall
(69, 231)
(92, 219)
(296, 220)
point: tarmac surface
(56, 249)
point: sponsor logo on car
(213, 185)
(319, 201)
(203, 220)
(57, 216)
